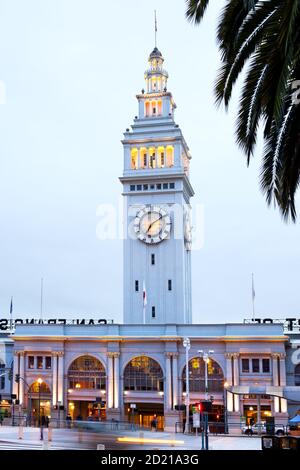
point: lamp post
(205, 355)
(39, 400)
(226, 385)
(187, 346)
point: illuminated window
(197, 376)
(143, 374)
(143, 157)
(48, 362)
(245, 366)
(161, 157)
(87, 372)
(134, 159)
(152, 157)
(170, 155)
(30, 362)
(43, 388)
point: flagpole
(155, 27)
(41, 312)
(253, 298)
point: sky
(69, 73)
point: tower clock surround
(157, 258)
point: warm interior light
(40, 381)
(77, 386)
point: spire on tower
(155, 28)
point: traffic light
(17, 378)
(199, 407)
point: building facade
(100, 371)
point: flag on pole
(11, 312)
(144, 302)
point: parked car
(256, 428)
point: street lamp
(39, 381)
(226, 385)
(205, 355)
(187, 346)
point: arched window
(134, 159)
(2, 376)
(197, 376)
(161, 157)
(143, 157)
(88, 373)
(170, 155)
(297, 375)
(143, 374)
(147, 108)
(154, 108)
(42, 388)
(152, 157)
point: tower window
(170, 284)
(152, 186)
(136, 286)
(139, 187)
(165, 186)
(132, 187)
(158, 186)
(172, 185)
(154, 110)
(153, 259)
(153, 312)
(145, 187)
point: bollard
(100, 447)
(20, 434)
(50, 433)
(141, 435)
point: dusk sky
(69, 73)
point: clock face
(152, 224)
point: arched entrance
(87, 389)
(39, 397)
(215, 380)
(144, 392)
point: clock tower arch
(157, 192)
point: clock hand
(154, 222)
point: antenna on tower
(155, 28)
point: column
(236, 380)
(282, 370)
(54, 379)
(228, 369)
(275, 370)
(168, 383)
(60, 378)
(15, 386)
(110, 381)
(22, 375)
(116, 380)
(175, 379)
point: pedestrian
(43, 420)
(79, 417)
(1, 420)
(69, 420)
(154, 424)
(47, 421)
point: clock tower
(157, 192)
